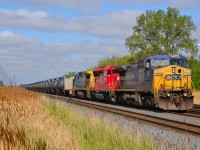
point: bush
(196, 75)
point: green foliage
(70, 74)
(196, 75)
(115, 60)
(159, 32)
(191, 62)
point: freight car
(161, 81)
(65, 85)
(59, 86)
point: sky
(43, 39)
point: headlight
(173, 69)
(158, 74)
(185, 94)
(186, 73)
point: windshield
(159, 62)
(115, 72)
(179, 62)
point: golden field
(197, 97)
(25, 124)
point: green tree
(196, 75)
(191, 62)
(159, 32)
(70, 74)
(115, 60)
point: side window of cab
(148, 64)
(109, 73)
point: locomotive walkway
(166, 120)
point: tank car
(65, 85)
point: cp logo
(173, 77)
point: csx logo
(173, 77)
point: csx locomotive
(161, 81)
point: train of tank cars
(160, 81)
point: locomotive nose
(173, 78)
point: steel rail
(190, 113)
(180, 127)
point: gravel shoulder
(163, 137)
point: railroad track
(196, 106)
(192, 113)
(181, 127)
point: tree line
(161, 32)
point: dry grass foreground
(197, 97)
(28, 122)
(25, 124)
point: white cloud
(26, 13)
(187, 4)
(91, 5)
(196, 34)
(6, 34)
(83, 5)
(114, 24)
(37, 20)
(31, 60)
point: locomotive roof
(166, 57)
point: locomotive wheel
(120, 99)
(76, 94)
(85, 95)
(92, 96)
(114, 100)
(107, 97)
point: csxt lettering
(173, 77)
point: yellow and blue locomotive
(162, 81)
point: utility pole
(14, 81)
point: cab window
(109, 72)
(115, 72)
(179, 62)
(159, 62)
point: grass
(27, 121)
(25, 124)
(16, 138)
(91, 133)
